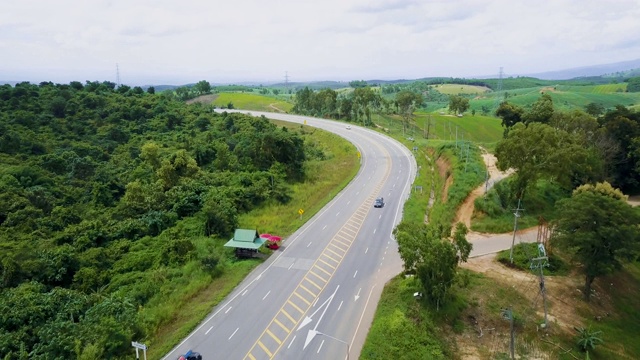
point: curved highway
(315, 297)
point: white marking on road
(324, 227)
(354, 275)
(383, 258)
(315, 302)
(340, 306)
(385, 252)
(269, 292)
(206, 332)
(358, 295)
(380, 216)
(294, 337)
(244, 292)
(366, 250)
(234, 333)
(309, 245)
(290, 266)
(322, 343)
(374, 230)
(348, 202)
(358, 193)
(338, 213)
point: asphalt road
(315, 297)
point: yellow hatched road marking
(307, 290)
(274, 337)
(301, 298)
(281, 325)
(339, 247)
(312, 283)
(318, 276)
(324, 271)
(265, 348)
(295, 306)
(335, 253)
(251, 356)
(332, 259)
(326, 263)
(289, 316)
(341, 242)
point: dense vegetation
(103, 190)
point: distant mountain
(621, 68)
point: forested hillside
(102, 190)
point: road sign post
(139, 346)
(300, 211)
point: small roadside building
(246, 242)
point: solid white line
(354, 275)
(361, 316)
(233, 333)
(230, 307)
(315, 302)
(338, 306)
(322, 343)
(206, 332)
(269, 292)
(294, 337)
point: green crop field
(455, 89)
(252, 102)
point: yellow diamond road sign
(300, 211)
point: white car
(348, 127)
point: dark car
(190, 355)
(379, 202)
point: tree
(594, 109)
(599, 229)
(510, 114)
(458, 104)
(202, 87)
(539, 151)
(427, 252)
(541, 111)
(634, 84)
(407, 102)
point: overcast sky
(182, 41)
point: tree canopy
(102, 190)
(599, 229)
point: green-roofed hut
(246, 242)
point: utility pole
(512, 343)
(508, 315)
(515, 228)
(540, 262)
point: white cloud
(168, 41)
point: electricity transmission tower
(286, 81)
(117, 75)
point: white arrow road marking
(294, 337)
(307, 319)
(313, 332)
(358, 295)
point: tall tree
(432, 256)
(600, 230)
(539, 151)
(510, 114)
(541, 111)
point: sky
(266, 41)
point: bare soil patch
(203, 99)
(634, 200)
(276, 109)
(444, 170)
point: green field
(455, 89)
(255, 102)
